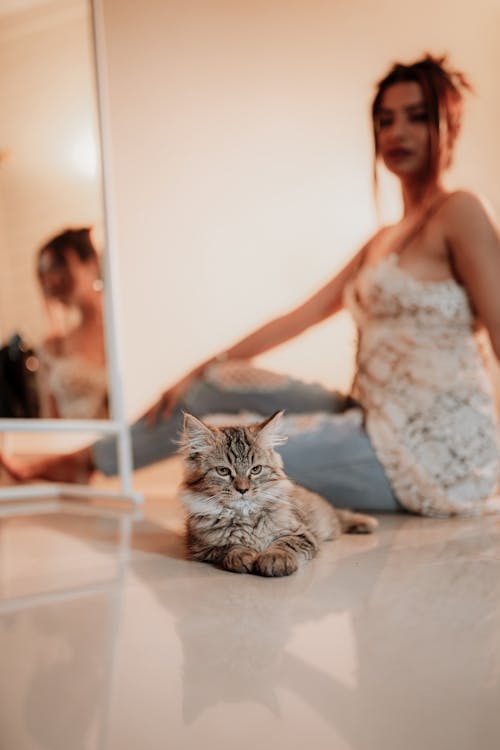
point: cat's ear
(270, 431)
(196, 436)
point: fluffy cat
(243, 513)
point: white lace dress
(78, 387)
(422, 381)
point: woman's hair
(71, 240)
(442, 90)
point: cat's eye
(223, 471)
(256, 469)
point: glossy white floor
(111, 640)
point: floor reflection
(108, 634)
(59, 643)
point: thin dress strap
(421, 222)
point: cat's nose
(241, 486)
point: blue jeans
(327, 451)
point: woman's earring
(97, 285)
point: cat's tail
(356, 523)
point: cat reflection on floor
(243, 513)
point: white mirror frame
(117, 425)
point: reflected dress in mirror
(72, 374)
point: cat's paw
(276, 563)
(362, 524)
(239, 560)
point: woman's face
(71, 282)
(403, 131)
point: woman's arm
(49, 348)
(475, 246)
(321, 305)
(47, 402)
(324, 303)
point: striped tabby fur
(244, 514)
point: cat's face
(232, 467)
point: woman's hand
(162, 408)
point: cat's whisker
(214, 499)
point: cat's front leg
(206, 553)
(282, 557)
(239, 559)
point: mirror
(52, 361)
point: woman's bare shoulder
(376, 241)
(464, 206)
(381, 232)
(52, 346)
(471, 233)
(468, 222)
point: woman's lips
(398, 153)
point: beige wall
(242, 161)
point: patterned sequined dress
(422, 381)
(79, 388)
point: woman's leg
(151, 443)
(327, 451)
(230, 388)
(332, 455)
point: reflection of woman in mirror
(72, 374)
(419, 290)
